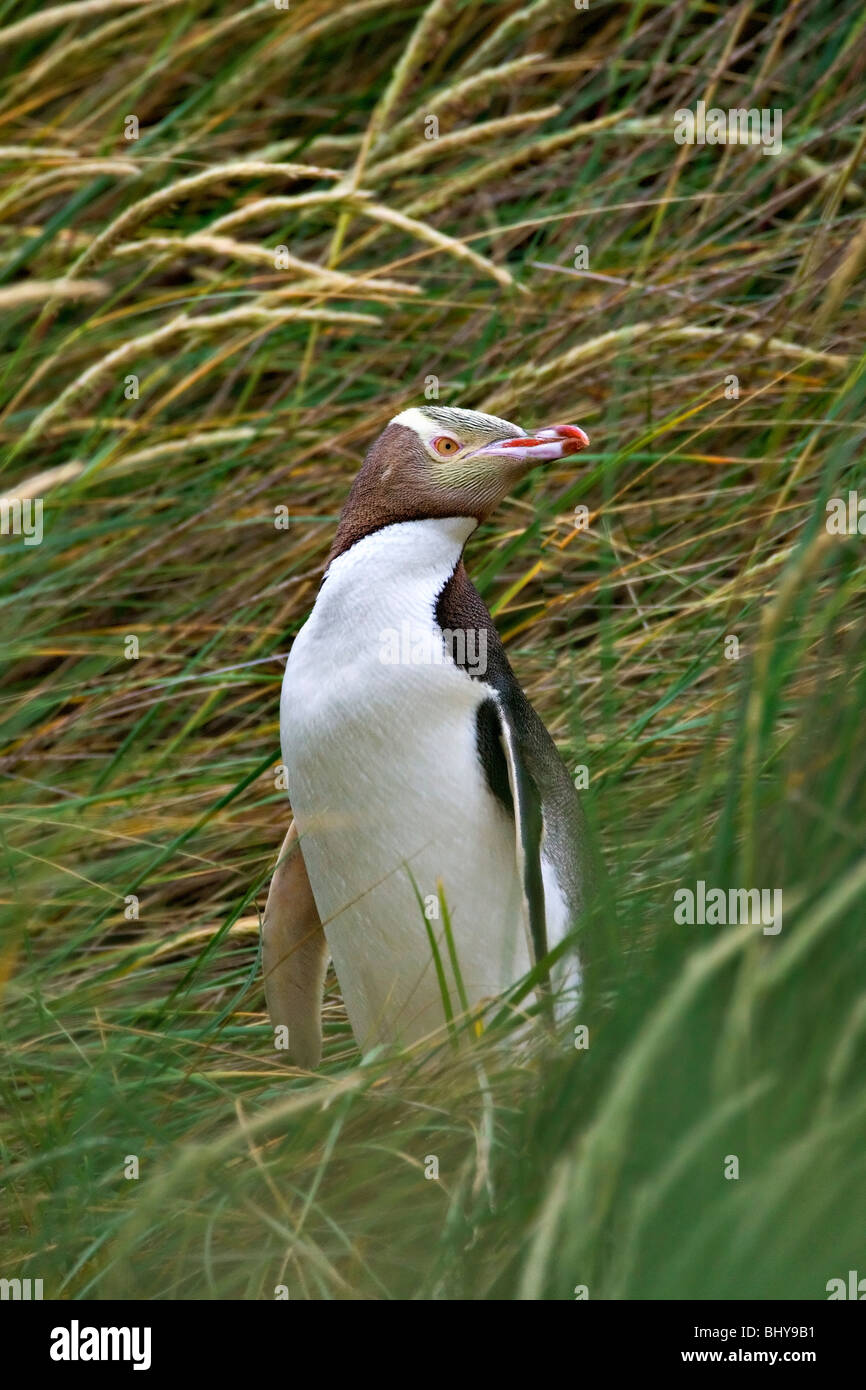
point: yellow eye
(446, 445)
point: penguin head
(436, 461)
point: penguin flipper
(554, 854)
(529, 828)
(525, 771)
(294, 955)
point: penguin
(426, 791)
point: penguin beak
(552, 442)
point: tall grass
(258, 387)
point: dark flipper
(517, 752)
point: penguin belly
(378, 729)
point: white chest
(371, 649)
(379, 738)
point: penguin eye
(445, 445)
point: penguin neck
(407, 556)
(408, 547)
(371, 508)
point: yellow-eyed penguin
(416, 765)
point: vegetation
(169, 381)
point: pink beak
(553, 442)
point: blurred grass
(260, 388)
